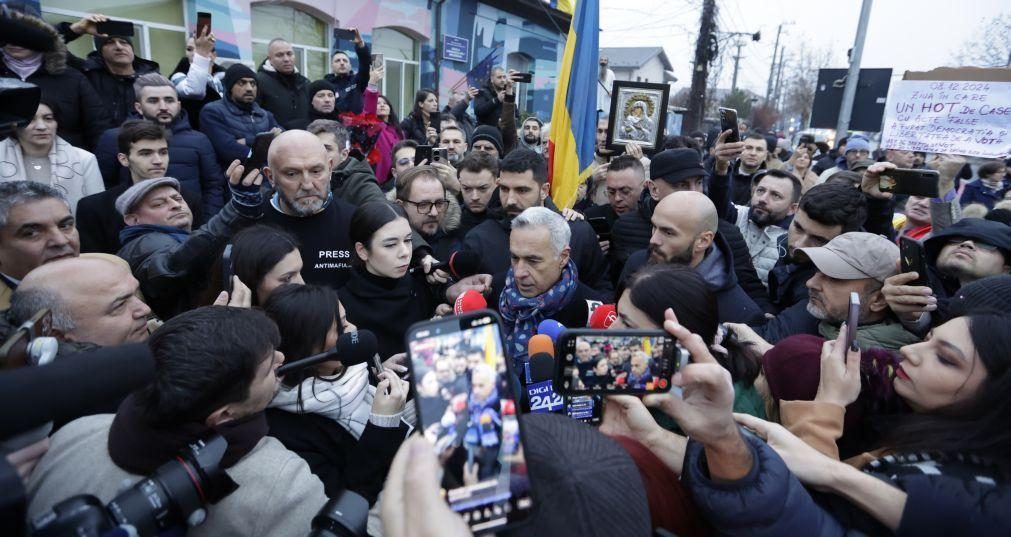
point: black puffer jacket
(414, 129)
(82, 116)
(116, 91)
(285, 96)
(632, 230)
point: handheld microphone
(469, 300)
(539, 344)
(352, 348)
(551, 328)
(463, 263)
(541, 394)
(603, 317)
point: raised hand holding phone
(840, 371)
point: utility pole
(772, 68)
(853, 76)
(437, 60)
(703, 55)
(779, 79)
(737, 61)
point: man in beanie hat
(232, 123)
(322, 105)
(852, 262)
(857, 149)
(172, 262)
(488, 139)
(676, 170)
(112, 68)
(968, 251)
(283, 90)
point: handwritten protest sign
(971, 118)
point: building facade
(528, 35)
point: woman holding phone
(391, 134)
(346, 429)
(422, 124)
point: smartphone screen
(203, 21)
(523, 77)
(588, 409)
(728, 120)
(616, 361)
(601, 227)
(378, 59)
(115, 28)
(913, 258)
(467, 410)
(852, 319)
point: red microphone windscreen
(540, 343)
(469, 300)
(603, 317)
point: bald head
(299, 169)
(97, 295)
(693, 208)
(685, 225)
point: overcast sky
(903, 34)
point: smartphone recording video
(616, 361)
(467, 410)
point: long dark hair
(255, 251)
(980, 425)
(654, 288)
(368, 218)
(419, 98)
(392, 120)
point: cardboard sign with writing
(959, 111)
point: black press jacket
(632, 230)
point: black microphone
(352, 348)
(461, 263)
(21, 34)
(110, 373)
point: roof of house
(634, 57)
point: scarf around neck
(346, 399)
(521, 315)
(23, 67)
(140, 448)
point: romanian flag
(564, 5)
(574, 117)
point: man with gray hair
(191, 156)
(36, 227)
(352, 180)
(542, 281)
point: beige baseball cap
(856, 256)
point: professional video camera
(174, 496)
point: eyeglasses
(976, 243)
(425, 207)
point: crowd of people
(129, 209)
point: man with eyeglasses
(425, 200)
(967, 251)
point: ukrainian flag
(574, 117)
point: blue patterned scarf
(521, 315)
